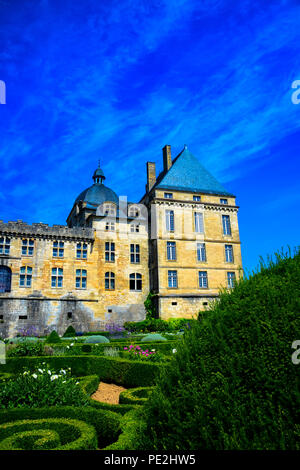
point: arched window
(135, 281)
(133, 211)
(5, 279)
(109, 280)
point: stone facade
(101, 266)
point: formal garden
(224, 380)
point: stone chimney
(167, 157)
(151, 175)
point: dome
(98, 192)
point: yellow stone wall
(189, 297)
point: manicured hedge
(50, 433)
(132, 430)
(103, 424)
(135, 396)
(119, 371)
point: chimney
(167, 157)
(151, 175)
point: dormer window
(168, 195)
(133, 211)
(197, 198)
(109, 209)
(223, 201)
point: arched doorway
(5, 279)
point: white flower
(72, 344)
(63, 371)
(64, 381)
(40, 370)
(49, 372)
(34, 376)
(53, 377)
(153, 350)
(26, 372)
(68, 347)
(77, 383)
(174, 351)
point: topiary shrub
(87, 348)
(232, 383)
(70, 332)
(135, 396)
(153, 337)
(97, 339)
(52, 433)
(53, 338)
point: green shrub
(232, 383)
(52, 433)
(40, 388)
(109, 369)
(70, 332)
(53, 338)
(25, 348)
(21, 339)
(153, 337)
(86, 348)
(105, 422)
(135, 396)
(132, 430)
(97, 339)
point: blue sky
(117, 80)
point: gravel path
(108, 393)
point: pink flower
(131, 346)
(147, 354)
(125, 348)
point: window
(229, 253)
(22, 317)
(174, 303)
(58, 249)
(80, 278)
(57, 277)
(27, 247)
(170, 221)
(109, 209)
(133, 211)
(198, 218)
(4, 245)
(203, 279)
(134, 228)
(110, 226)
(223, 201)
(171, 251)
(172, 279)
(196, 198)
(81, 250)
(230, 280)
(25, 276)
(226, 225)
(135, 281)
(5, 279)
(168, 195)
(109, 281)
(110, 252)
(201, 252)
(134, 253)
(69, 315)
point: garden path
(108, 393)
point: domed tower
(89, 200)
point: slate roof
(97, 194)
(187, 174)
